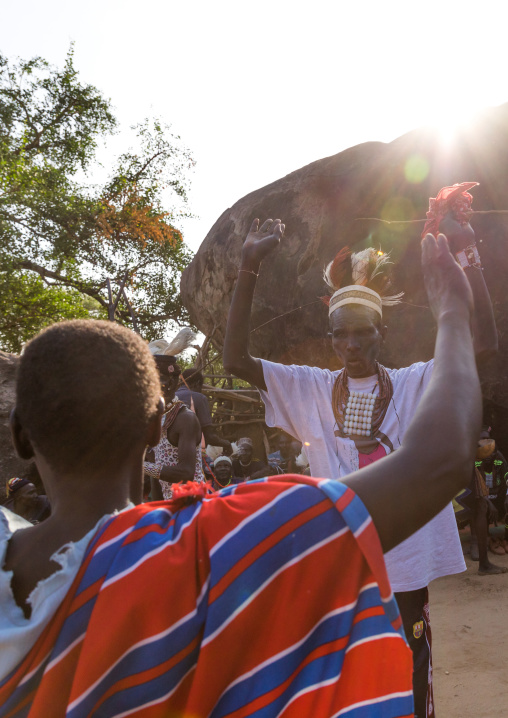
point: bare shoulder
(187, 422)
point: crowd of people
(162, 584)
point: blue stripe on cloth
(228, 490)
(138, 696)
(8, 708)
(324, 669)
(389, 707)
(257, 527)
(275, 672)
(254, 576)
(158, 517)
(355, 514)
(129, 554)
(153, 653)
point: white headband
(356, 294)
(223, 459)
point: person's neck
(79, 502)
(371, 371)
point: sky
(257, 90)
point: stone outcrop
(10, 464)
(328, 204)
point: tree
(61, 237)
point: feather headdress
(360, 278)
(177, 345)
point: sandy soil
(469, 620)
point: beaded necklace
(359, 413)
(222, 486)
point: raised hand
(260, 242)
(447, 287)
(458, 235)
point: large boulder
(10, 464)
(339, 201)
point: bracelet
(469, 257)
(151, 470)
(249, 271)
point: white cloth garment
(17, 633)
(299, 400)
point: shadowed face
(245, 453)
(223, 471)
(169, 383)
(26, 497)
(285, 447)
(357, 337)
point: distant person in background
(494, 471)
(283, 461)
(26, 502)
(245, 465)
(177, 456)
(191, 394)
(223, 473)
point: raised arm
(484, 327)
(237, 358)
(405, 490)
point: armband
(469, 257)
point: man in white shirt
(312, 404)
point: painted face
(357, 339)
(223, 471)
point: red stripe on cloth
(326, 649)
(368, 613)
(26, 700)
(265, 545)
(393, 674)
(138, 679)
(306, 582)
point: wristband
(151, 470)
(469, 257)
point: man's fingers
(254, 226)
(442, 243)
(266, 225)
(428, 248)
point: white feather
(181, 342)
(327, 278)
(302, 460)
(392, 299)
(177, 345)
(360, 265)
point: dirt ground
(469, 620)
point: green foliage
(27, 305)
(61, 237)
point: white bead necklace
(359, 410)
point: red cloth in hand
(454, 199)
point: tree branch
(43, 273)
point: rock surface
(10, 464)
(327, 205)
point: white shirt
(299, 400)
(17, 633)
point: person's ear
(19, 436)
(154, 428)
